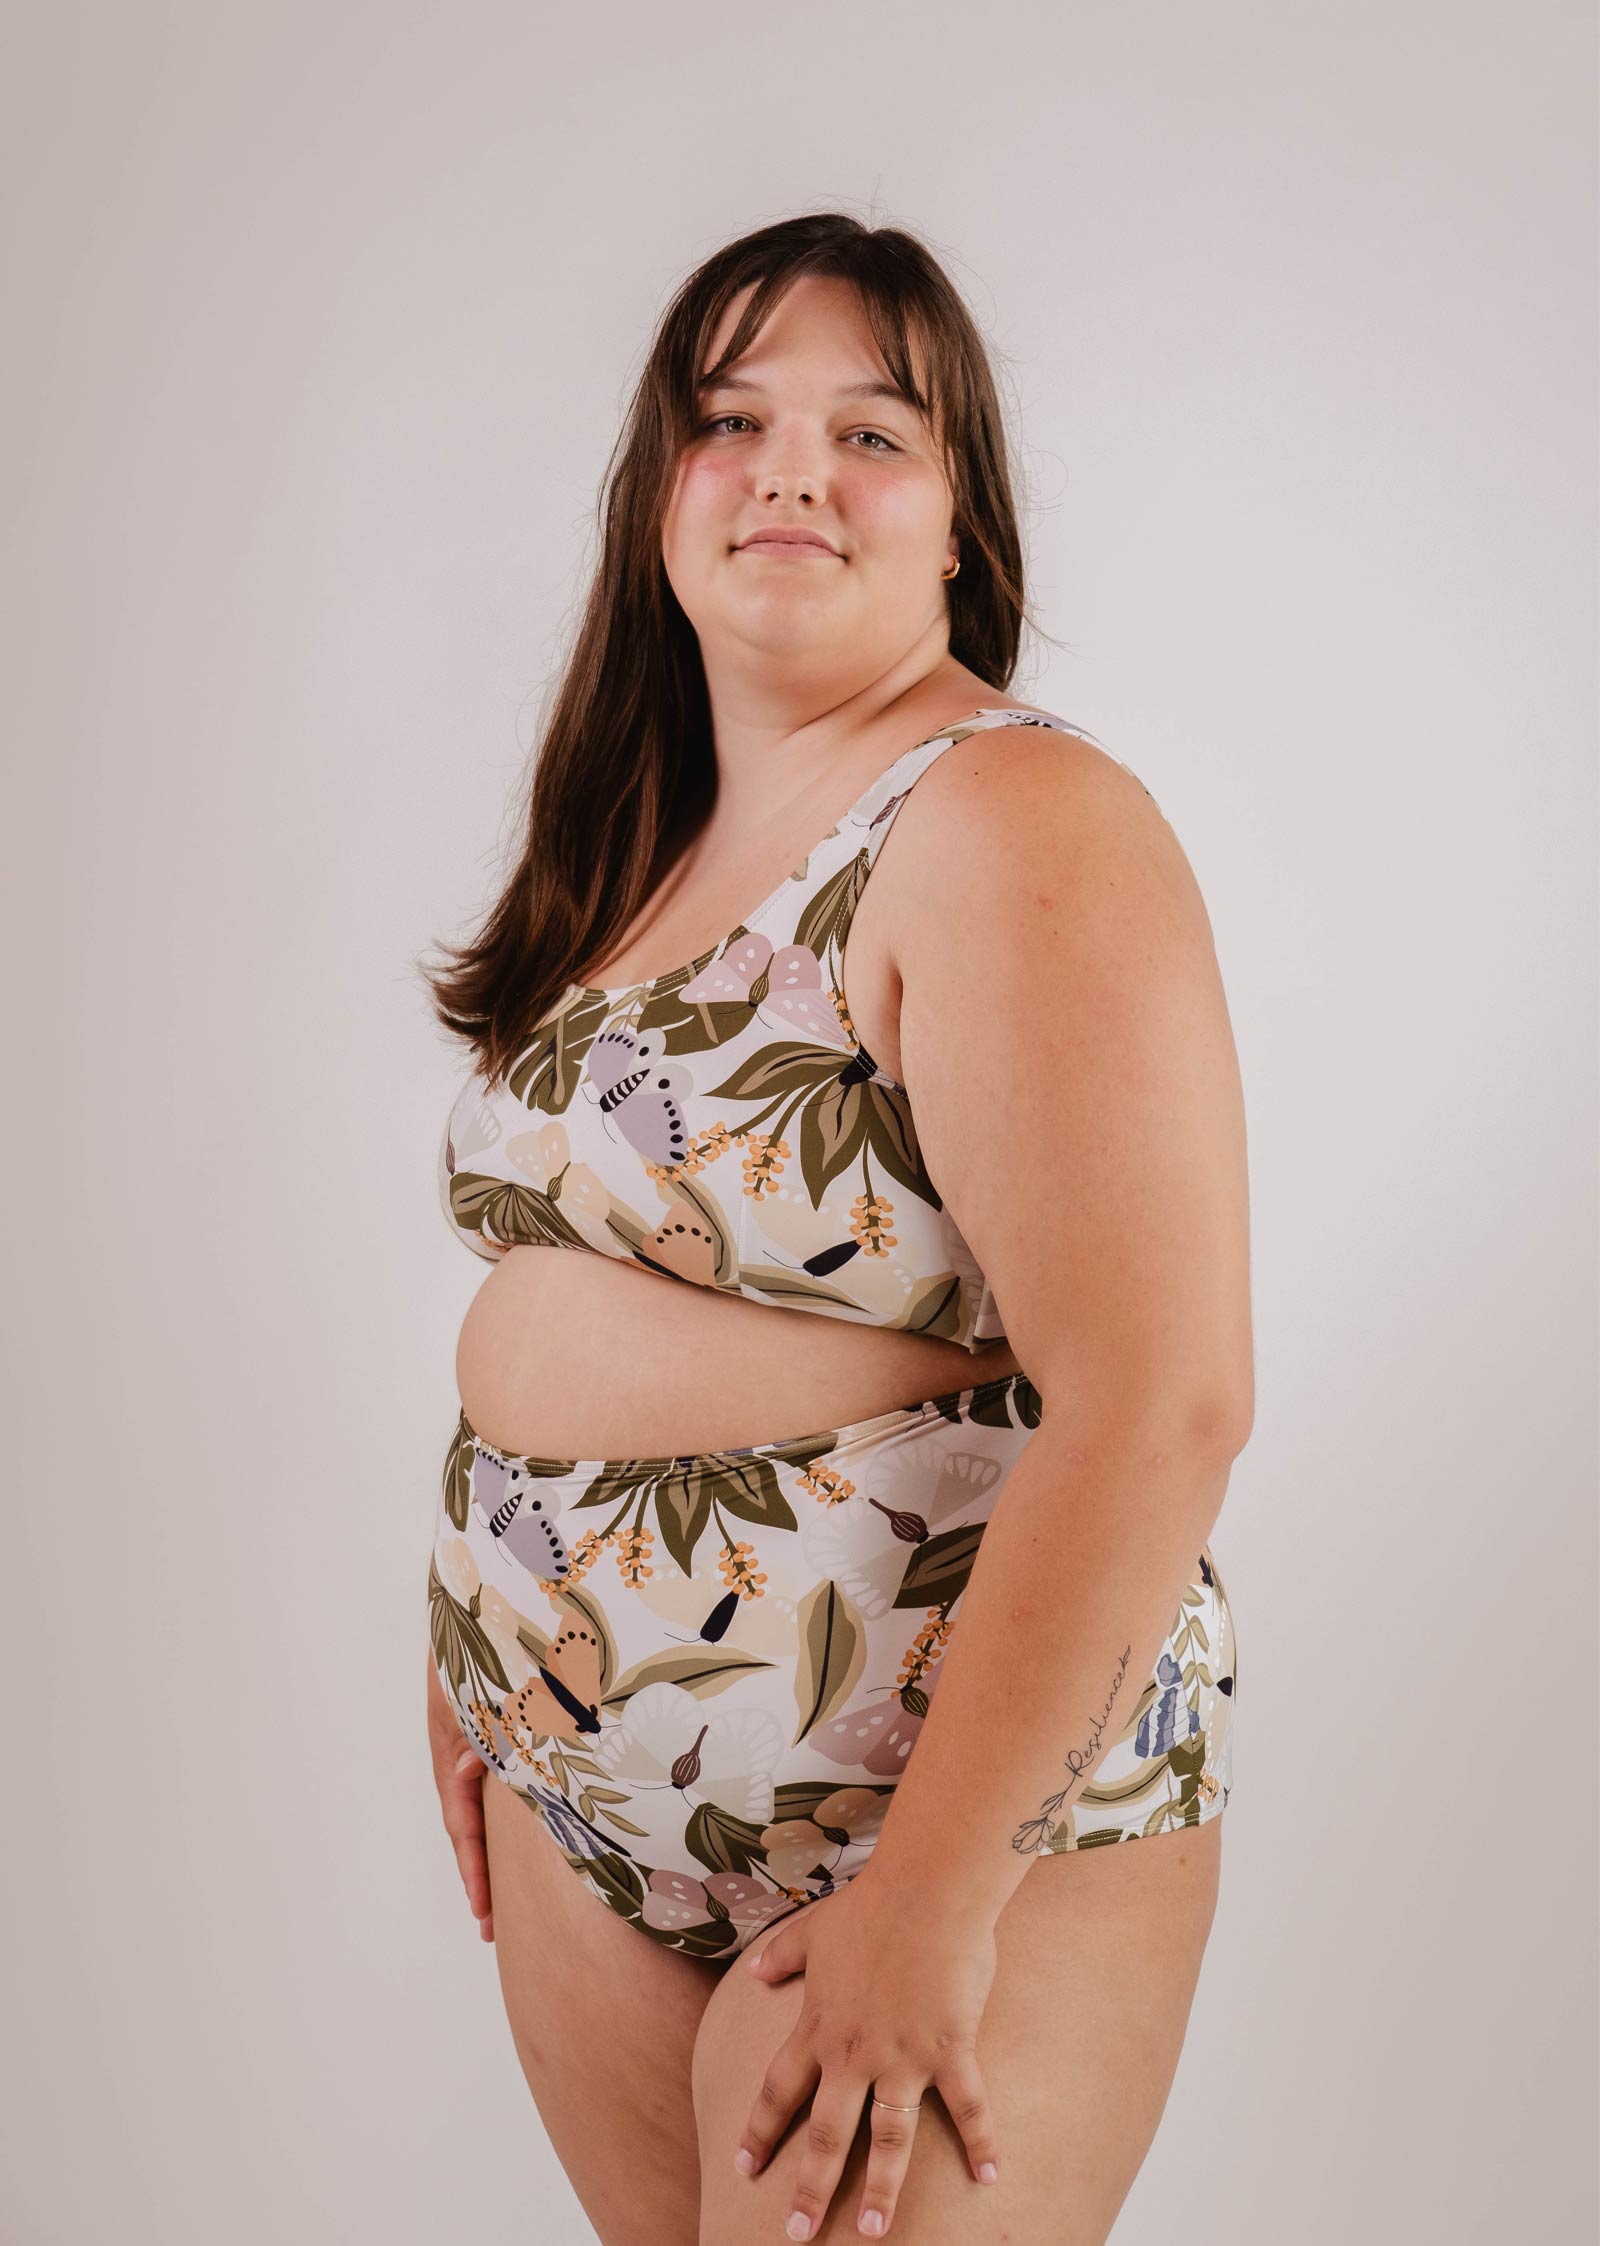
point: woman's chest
(722, 1097)
(730, 1128)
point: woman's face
(784, 444)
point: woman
(821, 1552)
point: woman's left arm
(1077, 1096)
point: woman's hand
(892, 2005)
(458, 1773)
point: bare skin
(604, 2024)
(1099, 1955)
(643, 2063)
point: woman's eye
(878, 438)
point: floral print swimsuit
(705, 1673)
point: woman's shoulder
(1005, 764)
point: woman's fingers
(791, 2076)
(462, 1801)
(463, 1821)
(458, 1773)
(890, 2157)
(835, 2117)
(960, 2084)
(830, 2132)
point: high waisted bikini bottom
(707, 1673)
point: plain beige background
(320, 323)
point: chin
(781, 627)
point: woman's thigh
(604, 2023)
(1099, 1955)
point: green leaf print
(1186, 1759)
(1018, 1406)
(703, 1670)
(1012, 1407)
(826, 919)
(836, 1124)
(840, 1110)
(616, 1881)
(462, 1649)
(747, 1487)
(722, 1842)
(935, 1308)
(547, 1075)
(1027, 1403)
(697, 1026)
(682, 1509)
(458, 1474)
(803, 1797)
(515, 1215)
(620, 1481)
(781, 1285)
(686, 1497)
(939, 1567)
(1126, 1791)
(778, 1072)
(832, 1654)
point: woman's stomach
(570, 1355)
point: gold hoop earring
(952, 571)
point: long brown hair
(626, 770)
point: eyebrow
(872, 389)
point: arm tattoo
(1029, 1839)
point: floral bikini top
(723, 1124)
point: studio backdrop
(320, 325)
